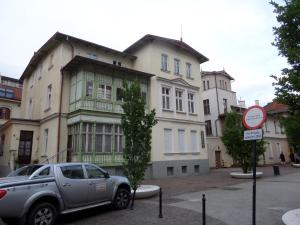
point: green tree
(287, 40)
(287, 86)
(137, 127)
(237, 148)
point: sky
(235, 35)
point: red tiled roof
(275, 107)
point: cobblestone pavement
(146, 211)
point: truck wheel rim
(43, 216)
(122, 199)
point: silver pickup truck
(54, 189)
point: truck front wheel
(42, 214)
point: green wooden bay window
(98, 143)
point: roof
(78, 61)
(178, 44)
(54, 41)
(275, 107)
(217, 73)
(11, 79)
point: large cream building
(71, 105)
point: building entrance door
(25, 147)
(218, 158)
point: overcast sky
(234, 34)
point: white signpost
(253, 119)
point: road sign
(254, 117)
(253, 134)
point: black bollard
(160, 204)
(203, 210)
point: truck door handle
(66, 185)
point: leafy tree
(237, 148)
(137, 127)
(287, 87)
(287, 40)
(291, 125)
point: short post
(160, 203)
(203, 210)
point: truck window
(72, 172)
(45, 172)
(94, 172)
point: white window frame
(177, 66)
(164, 62)
(168, 140)
(194, 141)
(181, 140)
(188, 70)
(191, 102)
(49, 96)
(104, 93)
(179, 100)
(166, 98)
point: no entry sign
(254, 117)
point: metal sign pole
(254, 184)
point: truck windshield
(24, 171)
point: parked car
(54, 189)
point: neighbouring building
(10, 102)
(274, 135)
(218, 100)
(71, 105)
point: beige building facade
(71, 105)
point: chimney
(242, 103)
(256, 102)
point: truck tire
(42, 214)
(122, 199)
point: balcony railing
(97, 105)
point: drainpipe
(60, 99)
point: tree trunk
(132, 200)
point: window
(2, 92)
(202, 139)
(86, 141)
(6, 93)
(72, 172)
(191, 103)
(271, 152)
(279, 150)
(206, 107)
(30, 109)
(2, 144)
(207, 82)
(266, 126)
(177, 66)
(48, 101)
(184, 169)
(4, 113)
(225, 105)
(166, 98)
(103, 138)
(104, 91)
(225, 85)
(181, 140)
(168, 140)
(89, 88)
(46, 132)
(208, 127)
(179, 105)
(164, 62)
(276, 127)
(119, 139)
(170, 171)
(204, 86)
(45, 172)
(196, 169)
(194, 141)
(188, 70)
(93, 172)
(119, 94)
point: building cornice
(180, 121)
(179, 82)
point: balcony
(97, 105)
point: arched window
(4, 113)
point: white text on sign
(253, 134)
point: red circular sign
(254, 117)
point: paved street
(229, 201)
